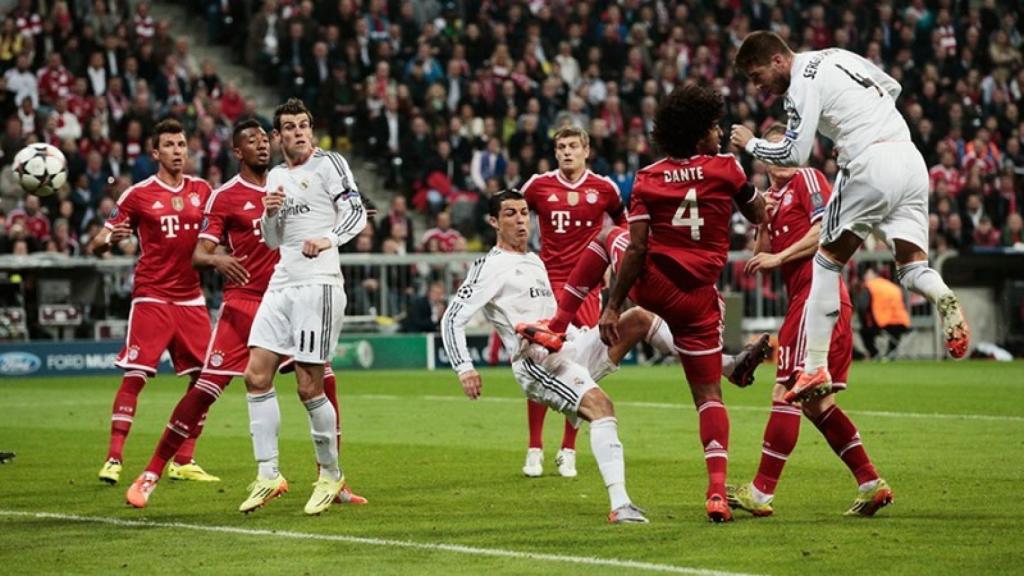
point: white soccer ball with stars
(41, 169)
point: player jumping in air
(312, 207)
(882, 186)
(511, 285)
(168, 308)
(788, 240)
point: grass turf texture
(440, 469)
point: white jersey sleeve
(803, 108)
(482, 284)
(341, 185)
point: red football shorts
(589, 312)
(157, 326)
(793, 345)
(228, 352)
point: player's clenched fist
(120, 231)
(740, 136)
(313, 248)
(471, 383)
(274, 201)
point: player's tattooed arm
(632, 264)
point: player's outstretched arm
(632, 263)
(482, 284)
(205, 256)
(804, 111)
(752, 205)
(802, 248)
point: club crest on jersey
(304, 184)
(787, 199)
(573, 198)
(216, 359)
(178, 203)
(133, 353)
(194, 199)
(591, 196)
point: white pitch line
(765, 409)
(430, 546)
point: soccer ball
(41, 169)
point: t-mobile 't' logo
(169, 225)
(560, 219)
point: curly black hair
(685, 117)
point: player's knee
(815, 407)
(705, 392)
(779, 393)
(257, 381)
(596, 404)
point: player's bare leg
(915, 275)
(842, 435)
(264, 426)
(323, 428)
(597, 408)
(714, 437)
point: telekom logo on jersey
(170, 226)
(561, 219)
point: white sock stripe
(826, 415)
(849, 447)
(599, 250)
(572, 290)
(257, 398)
(122, 418)
(711, 404)
(716, 454)
(179, 431)
(604, 421)
(823, 261)
(774, 454)
(786, 410)
(136, 374)
(210, 388)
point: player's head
(170, 147)
(766, 59)
(779, 174)
(293, 124)
(251, 145)
(686, 122)
(510, 216)
(572, 148)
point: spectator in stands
(985, 235)
(442, 237)
(425, 312)
(397, 224)
(35, 223)
(1013, 233)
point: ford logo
(18, 363)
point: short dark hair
(758, 48)
(494, 207)
(685, 117)
(166, 126)
(292, 106)
(242, 126)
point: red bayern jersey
(799, 204)
(232, 219)
(570, 214)
(689, 204)
(167, 222)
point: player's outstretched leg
(918, 277)
(346, 496)
(844, 439)
(185, 420)
(125, 402)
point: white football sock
(822, 311)
(919, 277)
(323, 422)
(728, 364)
(660, 337)
(604, 443)
(264, 425)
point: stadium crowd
(451, 101)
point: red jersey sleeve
(213, 220)
(736, 177)
(638, 209)
(615, 210)
(125, 211)
(529, 191)
(814, 193)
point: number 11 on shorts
(689, 206)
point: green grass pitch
(446, 496)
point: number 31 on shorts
(688, 215)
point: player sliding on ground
(312, 207)
(511, 285)
(882, 186)
(788, 240)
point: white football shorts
(585, 346)
(884, 190)
(562, 390)
(300, 321)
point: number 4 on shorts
(689, 206)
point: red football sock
(569, 436)
(535, 414)
(844, 439)
(186, 422)
(124, 411)
(331, 391)
(714, 436)
(586, 275)
(780, 437)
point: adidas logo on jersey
(248, 206)
(553, 198)
(158, 205)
